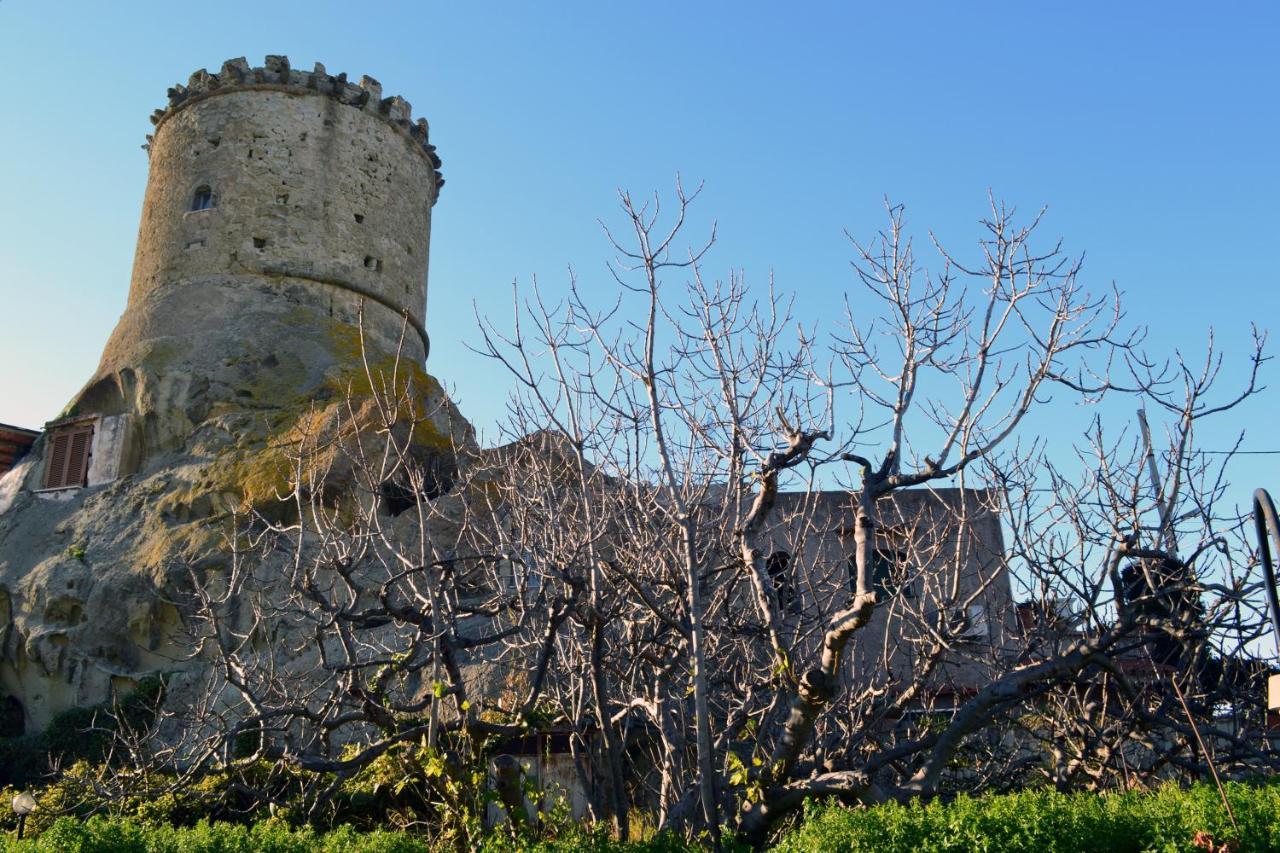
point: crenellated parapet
(276, 74)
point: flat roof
(21, 430)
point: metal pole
(1164, 508)
(1268, 531)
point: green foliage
(1045, 821)
(78, 734)
(402, 802)
(412, 784)
(100, 835)
(115, 835)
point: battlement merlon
(277, 75)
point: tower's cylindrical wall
(281, 183)
(279, 205)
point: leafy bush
(1162, 821)
(100, 835)
(1045, 821)
(113, 835)
(78, 734)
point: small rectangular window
(778, 567)
(202, 199)
(67, 462)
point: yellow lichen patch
(161, 544)
(255, 474)
(411, 394)
(306, 433)
(314, 447)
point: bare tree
(743, 561)
(703, 407)
(361, 612)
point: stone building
(285, 236)
(939, 559)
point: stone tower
(284, 246)
(278, 202)
(267, 179)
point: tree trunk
(612, 751)
(701, 703)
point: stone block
(277, 68)
(235, 70)
(200, 82)
(373, 87)
(397, 108)
(319, 79)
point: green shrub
(78, 734)
(114, 835)
(1045, 821)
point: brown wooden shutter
(68, 461)
(78, 456)
(55, 467)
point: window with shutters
(67, 460)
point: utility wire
(1241, 452)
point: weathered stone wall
(315, 184)
(115, 449)
(320, 219)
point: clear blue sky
(1149, 128)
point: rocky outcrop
(92, 579)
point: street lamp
(1267, 527)
(23, 805)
